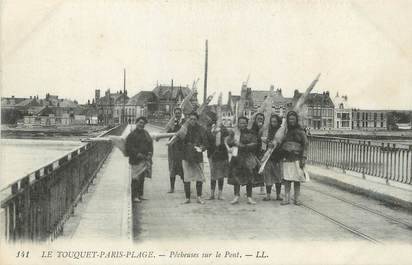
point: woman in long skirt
(174, 151)
(195, 142)
(139, 149)
(293, 149)
(256, 128)
(272, 172)
(243, 167)
(218, 160)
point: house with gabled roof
(167, 98)
(139, 105)
(343, 113)
(317, 112)
(110, 106)
(253, 100)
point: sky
(70, 48)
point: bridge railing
(390, 161)
(36, 206)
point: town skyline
(362, 51)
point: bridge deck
(163, 216)
(106, 211)
(328, 214)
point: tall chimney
(205, 79)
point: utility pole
(205, 79)
(124, 96)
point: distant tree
(403, 117)
(395, 117)
(392, 120)
(10, 116)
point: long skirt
(192, 171)
(244, 170)
(218, 169)
(292, 172)
(272, 173)
(175, 163)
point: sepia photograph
(205, 132)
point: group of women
(285, 165)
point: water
(18, 157)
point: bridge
(359, 191)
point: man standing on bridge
(174, 151)
(139, 149)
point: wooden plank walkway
(106, 208)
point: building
(111, 107)
(166, 99)
(343, 113)
(227, 114)
(138, 105)
(11, 102)
(33, 110)
(9, 112)
(369, 119)
(317, 112)
(156, 104)
(90, 113)
(253, 100)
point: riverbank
(72, 132)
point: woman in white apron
(293, 152)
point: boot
(200, 201)
(278, 187)
(172, 185)
(212, 195)
(250, 200)
(267, 198)
(297, 194)
(219, 196)
(235, 200)
(287, 199)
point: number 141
(22, 254)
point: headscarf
(272, 130)
(292, 113)
(255, 127)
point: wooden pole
(205, 80)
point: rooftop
(141, 98)
(165, 92)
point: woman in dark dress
(257, 127)
(139, 149)
(243, 167)
(293, 151)
(218, 160)
(272, 172)
(194, 143)
(175, 150)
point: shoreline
(60, 133)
